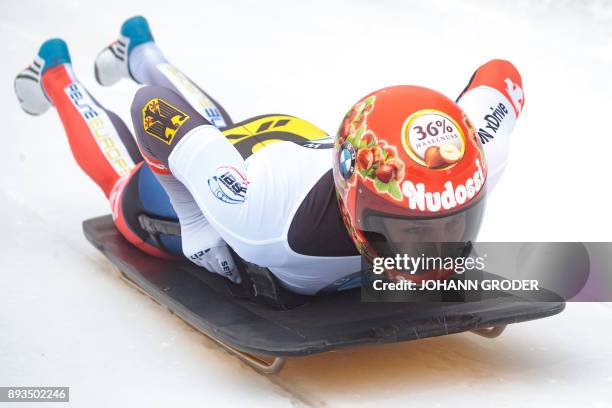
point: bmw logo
(346, 160)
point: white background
(65, 319)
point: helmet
(410, 175)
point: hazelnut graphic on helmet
(437, 156)
(433, 158)
(365, 159)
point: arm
(493, 100)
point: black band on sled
(258, 283)
(155, 226)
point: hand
(217, 260)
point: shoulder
(251, 135)
(317, 228)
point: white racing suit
(274, 202)
(271, 207)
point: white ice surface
(65, 319)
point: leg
(101, 144)
(136, 55)
(161, 120)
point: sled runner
(256, 333)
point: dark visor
(390, 235)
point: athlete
(407, 166)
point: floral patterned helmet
(408, 170)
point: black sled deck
(323, 323)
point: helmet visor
(437, 238)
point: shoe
(112, 63)
(28, 84)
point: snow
(66, 319)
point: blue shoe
(28, 83)
(112, 63)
